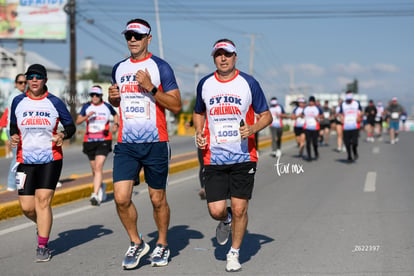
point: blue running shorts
(153, 157)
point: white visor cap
(227, 46)
(137, 28)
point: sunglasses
(226, 54)
(95, 95)
(137, 36)
(38, 77)
(21, 82)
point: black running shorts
(40, 176)
(225, 181)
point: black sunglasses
(226, 54)
(21, 82)
(37, 76)
(95, 94)
(137, 36)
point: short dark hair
(141, 21)
(17, 77)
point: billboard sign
(33, 19)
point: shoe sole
(233, 270)
(42, 261)
(159, 264)
(143, 253)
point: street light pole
(70, 9)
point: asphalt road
(324, 217)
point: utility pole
(71, 9)
(168, 115)
(251, 62)
(20, 57)
(157, 19)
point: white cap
(349, 96)
(227, 46)
(273, 102)
(96, 90)
(137, 28)
(301, 100)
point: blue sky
(326, 43)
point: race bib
(137, 108)
(395, 115)
(227, 132)
(300, 121)
(96, 127)
(350, 119)
(310, 122)
(326, 115)
(20, 180)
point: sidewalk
(81, 187)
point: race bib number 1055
(227, 133)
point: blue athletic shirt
(37, 121)
(226, 103)
(141, 118)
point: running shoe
(278, 153)
(102, 193)
(233, 264)
(95, 200)
(202, 193)
(134, 254)
(223, 231)
(160, 255)
(42, 254)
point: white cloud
(343, 81)
(305, 68)
(311, 69)
(367, 84)
(386, 68)
(350, 69)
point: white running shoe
(102, 193)
(233, 263)
(278, 153)
(95, 200)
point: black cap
(36, 69)
(311, 98)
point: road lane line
(370, 182)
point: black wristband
(154, 91)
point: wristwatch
(154, 91)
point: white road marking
(81, 209)
(370, 182)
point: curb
(66, 195)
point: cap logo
(138, 28)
